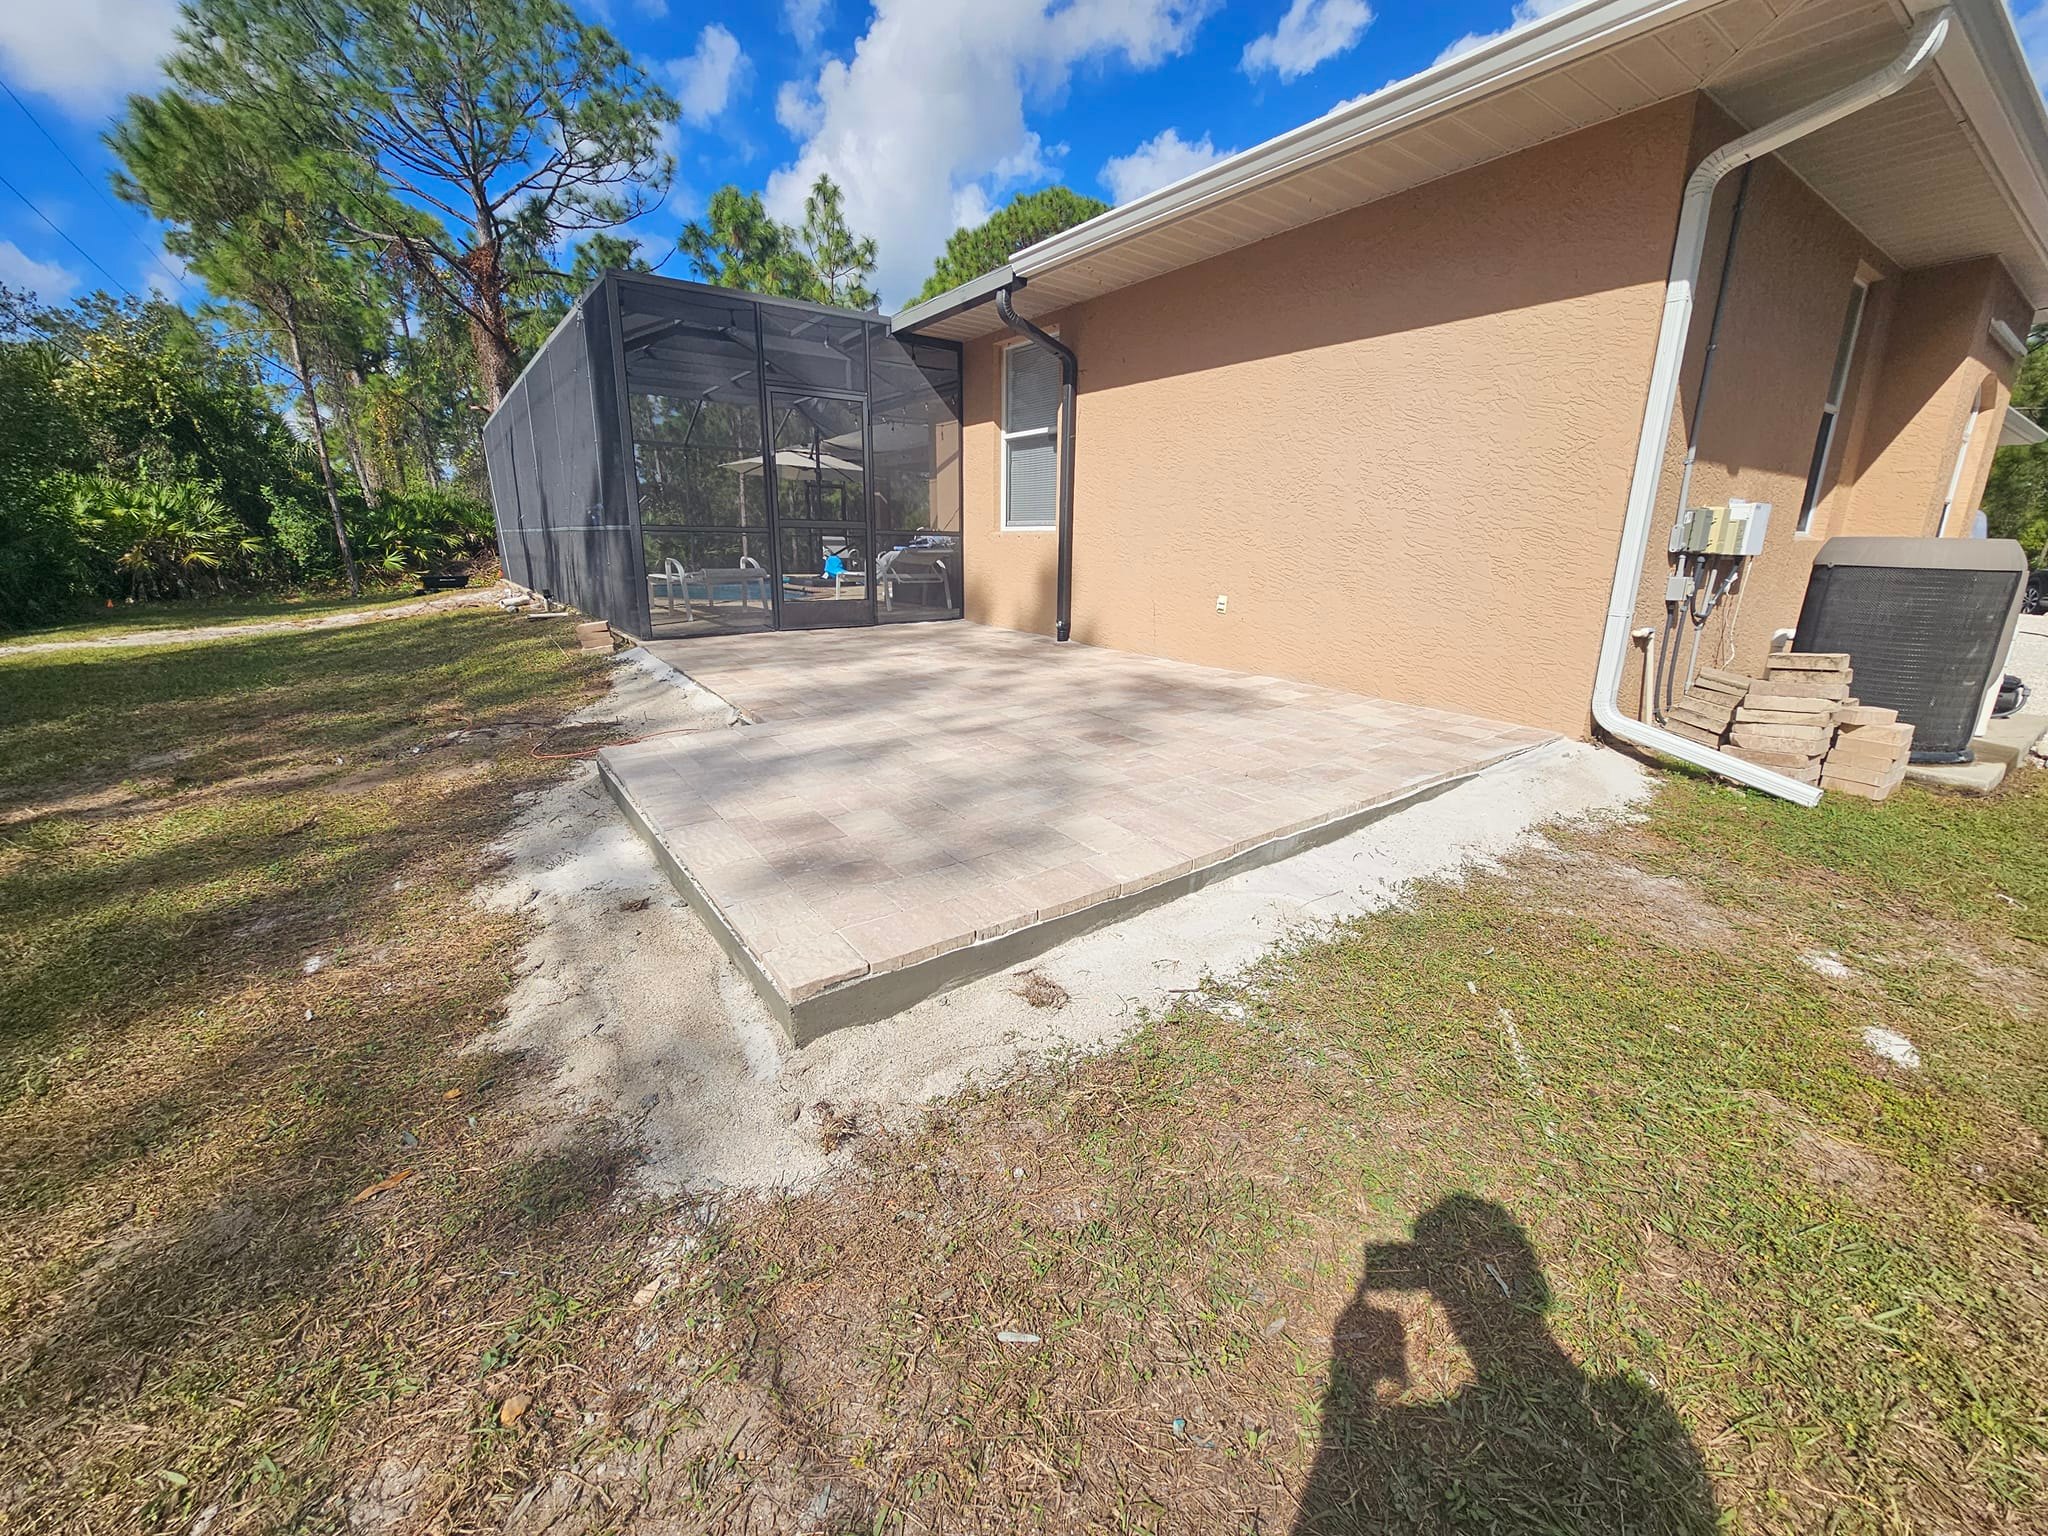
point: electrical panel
(1735, 529)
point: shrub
(304, 539)
(414, 532)
(164, 536)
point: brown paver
(927, 802)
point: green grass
(120, 618)
(1563, 1199)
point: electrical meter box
(1735, 529)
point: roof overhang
(2021, 430)
(1953, 168)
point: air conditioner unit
(1926, 623)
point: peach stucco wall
(1924, 361)
(1795, 263)
(1396, 441)
(1941, 366)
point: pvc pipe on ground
(1687, 251)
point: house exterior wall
(1398, 441)
(1924, 361)
(1795, 263)
(1942, 364)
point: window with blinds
(1031, 413)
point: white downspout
(1686, 254)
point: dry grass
(1040, 990)
(1564, 1200)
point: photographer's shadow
(1532, 1444)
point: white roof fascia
(952, 301)
(1989, 77)
(1569, 34)
(2021, 430)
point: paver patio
(911, 806)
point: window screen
(1031, 409)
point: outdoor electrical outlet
(1222, 603)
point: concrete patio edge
(869, 998)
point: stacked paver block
(1786, 722)
(1870, 752)
(1709, 706)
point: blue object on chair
(835, 566)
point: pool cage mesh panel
(551, 448)
(637, 472)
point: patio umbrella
(798, 459)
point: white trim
(1572, 33)
(2021, 430)
(1004, 437)
(1988, 75)
(2009, 339)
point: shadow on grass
(183, 1184)
(1534, 1443)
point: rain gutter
(1687, 251)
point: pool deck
(908, 807)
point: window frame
(1004, 437)
(1831, 408)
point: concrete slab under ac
(915, 806)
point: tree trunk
(291, 326)
(427, 464)
(497, 365)
(371, 482)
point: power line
(88, 255)
(257, 352)
(265, 358)
(98, 191)
(54, 144)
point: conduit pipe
(1687, 251)
(1070, 380)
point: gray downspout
(1070, 382)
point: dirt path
(199, 633)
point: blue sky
(928, 112)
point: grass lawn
(110, 623)
(1568, 1199)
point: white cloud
(166, 275)
(971, 206)
(85, 56)
(1310, 32)
(2032, 25)
(1525, 11)
(45, 279)
(805, 20)
(707, 79)
(797, 109)
(927, 119)
(1160, 160)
